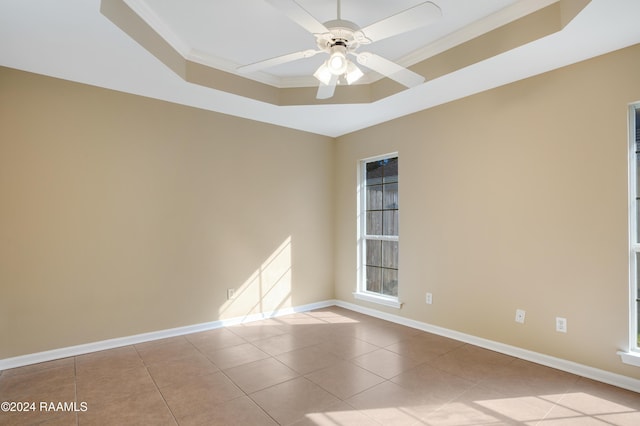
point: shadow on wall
(268, 288)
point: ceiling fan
(341, 38)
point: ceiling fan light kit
(337, 62)
(338, 65)
(340, 38)
(353, 73)
(322, 74)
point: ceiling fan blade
(299, 15)
(256, 66)
(325, 91)
(405, 21)
(390, 69)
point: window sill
(631, 358)
(381, 300)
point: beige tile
(621, 419)
(526, 378)
(236, 355)
(459, 413)
(604, 392)
(100, 390)
(592, 404)
(390, 404)
(51, 384)
(144, 408)
(38, 417)
(578, 421)
(178, 371)
(107, 362)
(166, 350)
(344, 379)
(65, 419)
(238, 412)
(595, 402)
(309, 359)
(327, 333)
(260, 374)
(561, 415)
(282, 343)
(212, 340)
(426, 380)
(338, 414)
(348, 347)
(199, 393)
(472, 362)
(382, 335)
(257, 331)
(290, 401)
(400, 330)
(424, 346)
(385, 363)
(481, 404)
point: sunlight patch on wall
(267, 289)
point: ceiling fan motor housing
(341, 33)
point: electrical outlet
(520, 314)
(561, 325)
(429, 299)
(230, 293)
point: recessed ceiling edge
(529, 28)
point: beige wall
(512, 198)
(122, 215)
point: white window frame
(632, 354)
(361, 293)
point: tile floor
(326, 367)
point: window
(378, 230)
(633, 355)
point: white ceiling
(70, 39)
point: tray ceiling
(207, 40)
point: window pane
(375, 171)
(374, 253)
(380, 211)
(390, 200)
(390, 222)
(374, 197)
(390, 282)
(391, 170)
(374, 279)
(390, 254)
(374, 223)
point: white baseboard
(614, 379)
(549, 361)
(35, 358)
